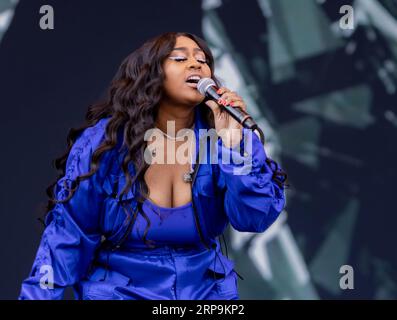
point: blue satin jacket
(71, 251)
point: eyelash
(184, 59)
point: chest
(169, 162)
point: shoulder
(93, 135)
(85, 145)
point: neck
(181, 116)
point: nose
(194, 64)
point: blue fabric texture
(186, 262)
(168, 226)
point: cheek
(174, 77)
(207, 71)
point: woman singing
(119, 226)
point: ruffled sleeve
(72, 231)
(254, 196)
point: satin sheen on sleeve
(253, 200)
(72, 231)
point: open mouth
(192, 81)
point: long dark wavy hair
(131, 102)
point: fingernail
(231, 103)
(219, 91)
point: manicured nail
(231, 103)
(219, 91)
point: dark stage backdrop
(47, 80)
(324, 95)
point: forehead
(185, 42)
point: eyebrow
(186, 49)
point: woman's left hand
(226, 126)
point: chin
(194, 99)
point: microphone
(207, 87)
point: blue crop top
(169, 226)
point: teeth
(193, 78)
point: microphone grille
(204, 84)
